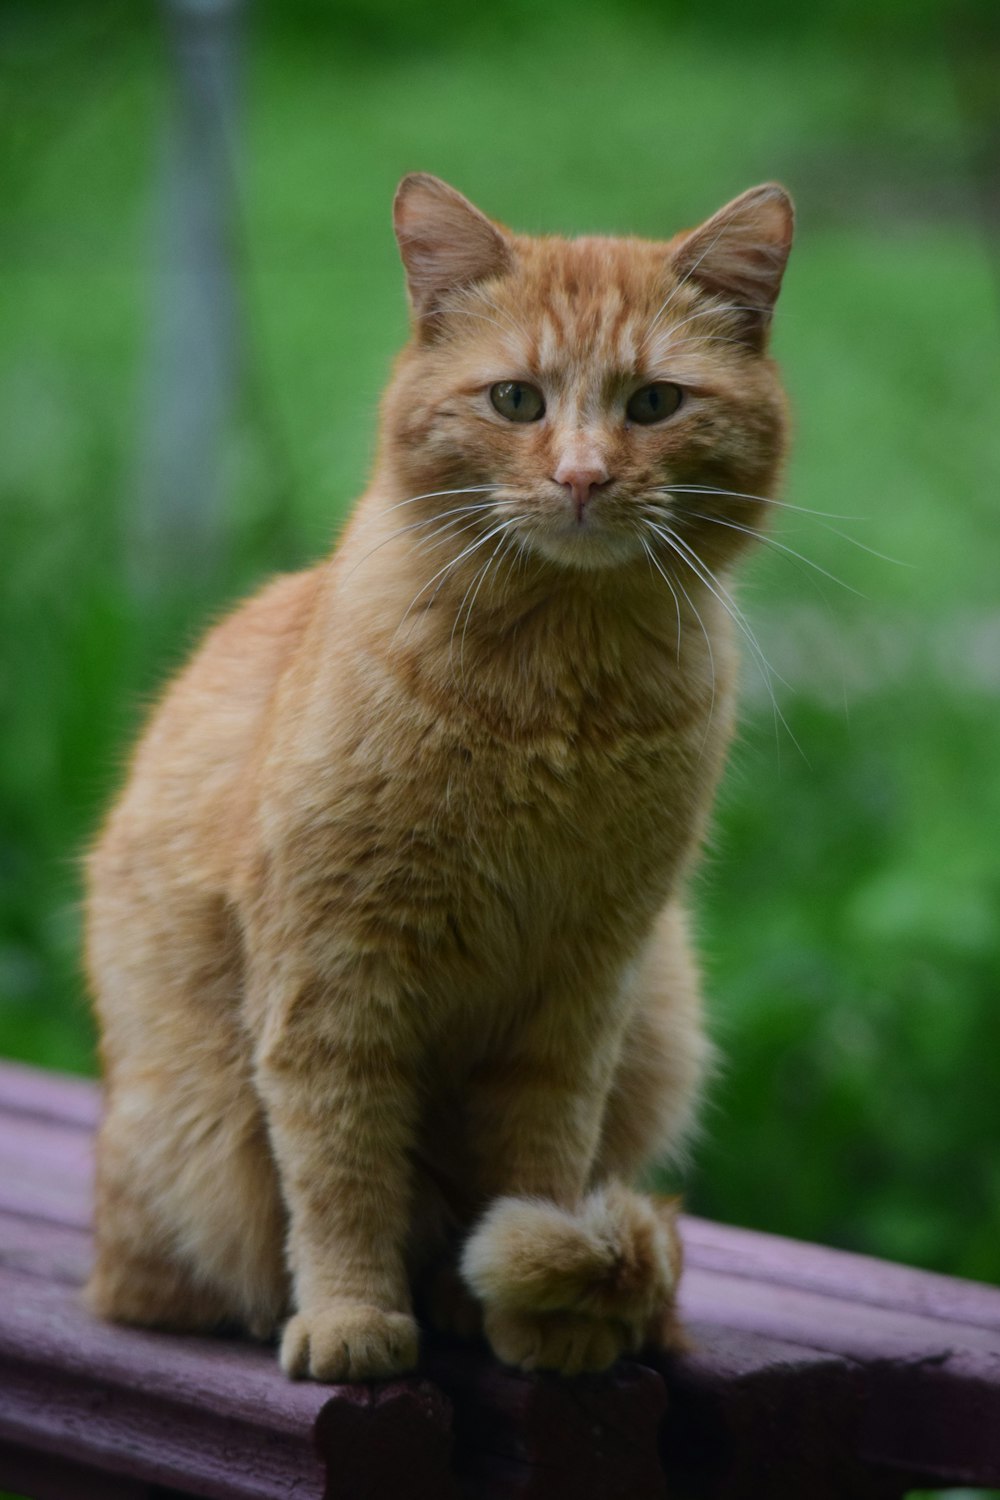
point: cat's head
(583, 392)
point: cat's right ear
(739, 255)
(445, 242)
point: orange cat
(386, 930)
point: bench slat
(42, 1095)
(46, 1170)
(817, 1372)
(929, 1390)
(858, 1278)
(44, 1149)
(48, 1477)
(211, 1417)
(859, 1331)
(752, 1418)
(523, 1437)
(35, 1247)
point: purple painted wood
(46, 1170)
(918, 1416)
(536, 1437)
(182, 1412)
(44, 1476)
(857, 1331)
(816, 1373)
(931, 1387)
(212, 1417)
(751, 1418)
(35, 1247)
(48, 1096)
(386, 1442)
(858, 1278)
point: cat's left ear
(739, 254)
(445, 242)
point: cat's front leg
(337, 1081)
(568, 1278)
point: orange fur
(386, 930)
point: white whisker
(504, 312)
(701, 625)
(761, 536)
(714, 584)
(700, 338)
(481, 577)
(443, 572)
(449, 531)
(673, 592)
(466, 312)
(717, 309)
(820, 516)
(723, 226)
(455, 514)
(711, 581)
(469, 489)
(710, 489)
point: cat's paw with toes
(614, 1259)
(349, 1341)
(569, 1343)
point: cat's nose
(581, 481)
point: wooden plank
(43, 1095)
(211, 1417)
(387, 1442)
(858, 1331)
(62, 1099)
(44, 1476)
(926, 1391)
(46, 1170)
(539, 1437)
(36, 1247)
(858, 1278)
(803, 1351)
(601, 1437)
(921, 1419)
(752, 1418)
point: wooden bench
(817, 1374)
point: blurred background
(200, 300)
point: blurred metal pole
(975, 55)
(178, 538)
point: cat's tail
(618, 1257)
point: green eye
(516, 401)
(654, 403)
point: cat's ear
(445, 242)
(739, 254)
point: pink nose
(581, 481)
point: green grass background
(849, 904)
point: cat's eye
(654, 402)
(517, 401)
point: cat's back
(191, 778)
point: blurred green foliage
(849, 903)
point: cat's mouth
(587, 537)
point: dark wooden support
(814, 1374)
(751, 1418)
(525, 1437)
(46, 1476)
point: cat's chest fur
(482, 825)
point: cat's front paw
(616, 1257)
(569, 1343)
(349, 1341)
